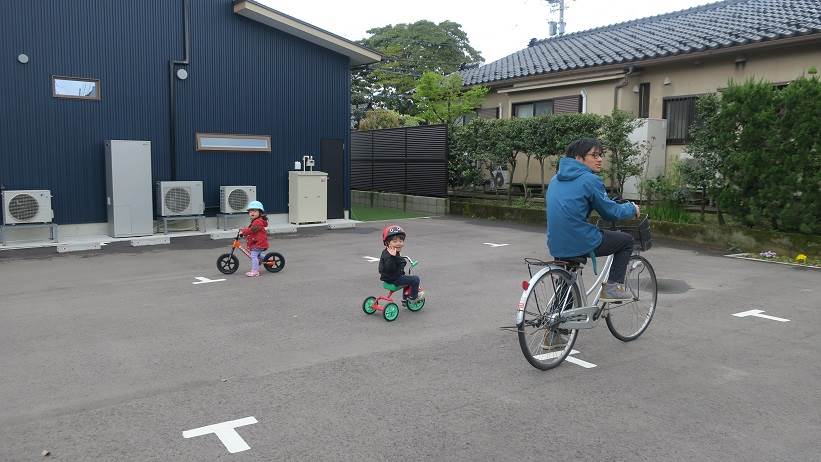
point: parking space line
(757, 314)
(570, 359)
(226, 432)
(371, 259)
(494, 245)
(202, 280)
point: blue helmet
(255, 205)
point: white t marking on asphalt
(495, 245)
(203, 280)
(226, 433)
(757, 314)
(569, 358)
(371, 259)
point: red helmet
(390, 231)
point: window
(680, 113)
(535, 108)
(644, 100)
(220, 142)
(481, 113)
(75, 88)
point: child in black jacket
(392, 264)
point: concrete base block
(216, 235)
(144, 241)
(78, 247)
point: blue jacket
(573, 193)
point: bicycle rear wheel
(627, 321)
(543, 344)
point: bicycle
(228, 263)
(390, 310)
(554, 303)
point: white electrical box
(128, 188)
(653, 132)
(307, 197)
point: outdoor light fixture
(667, 81)
(635, 88)
(182, 74)
(23, 58)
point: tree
(626, 157)
(553, 134)
(380, 118)
(703, 169)
(443, 99)
(503, 141)
(409, 50)
(772, 154)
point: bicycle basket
(638, 228)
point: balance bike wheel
(391, 312)
(367, 305)
(227, 263)
(273, 262)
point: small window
(75, 88)
(523, 110)
(644, 100)
(680, 113)
(220, 142)
(535, 108)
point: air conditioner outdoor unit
(500, 179)
(30, 206)
(176, 198)
(235, 199)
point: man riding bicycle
(573, 193)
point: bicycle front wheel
(627, 321)
(543, 344)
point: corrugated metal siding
(409, 160)
(57, 144)
(244, 78)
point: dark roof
(716, 25)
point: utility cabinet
(128, 188)
(653, 132)
(307, 197)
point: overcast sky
(495, 28)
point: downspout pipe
(622, 83)
(172, 105)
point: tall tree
(442, 99)
(409, 50)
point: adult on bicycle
(572, 195)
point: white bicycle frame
(576, 318)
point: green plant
(380, 118)
(626, 157)
(772, 161)
(443, 99)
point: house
(267, 88)
(655, 67)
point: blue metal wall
(244, 78)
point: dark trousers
(620, 245)
(413, 283)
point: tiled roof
(716, 25)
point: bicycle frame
(583, 317)
(237, 244)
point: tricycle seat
(392, 287)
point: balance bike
(228, 263)
(385, 303)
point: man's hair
(581, 147)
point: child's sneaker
(419, 296)
(252, 274)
